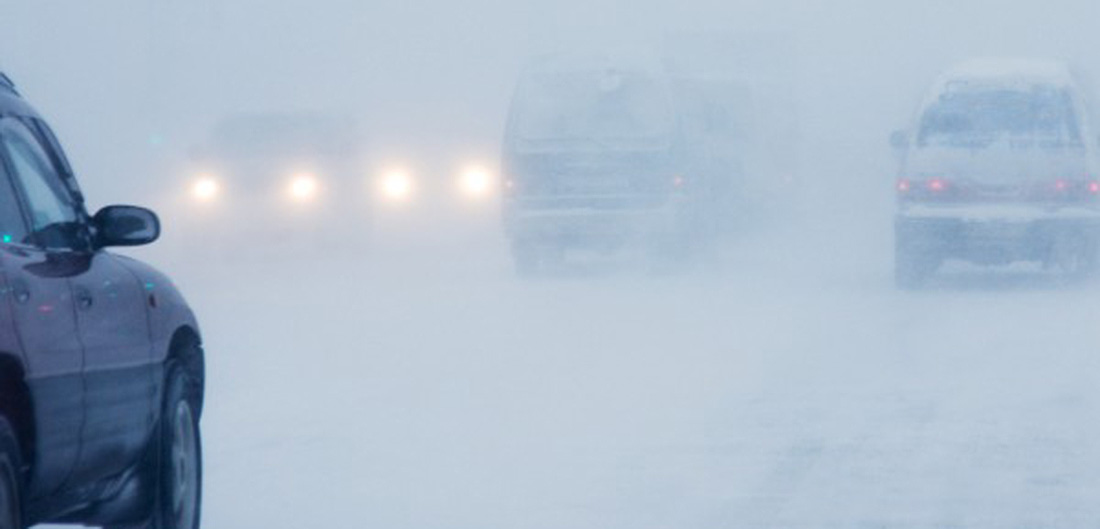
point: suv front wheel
(178, 459)
(10, 490)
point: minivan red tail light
(925, 189)
(1069, 190)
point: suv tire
(177, 458)
(11, 512)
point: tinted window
(12, 226)
(51, 210)
(50, 139)
(61, 162)
(980, 117)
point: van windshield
(592, 105)
(978, 118)
(282, 135)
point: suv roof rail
(6, 82)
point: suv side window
(61, 161)
(12, 226)
(54, 221)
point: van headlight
(475, 182)
(206, 188)
(303, 187)
(396, 185)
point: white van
(998, 166)
(598, 156)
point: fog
(406, 376)
(421, 73)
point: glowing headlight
(396, 185)
(475, 182)
(303, 187)
(205, 189)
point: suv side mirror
(125, 226)
(899, 140)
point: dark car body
(85, 336)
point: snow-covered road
(425, 386)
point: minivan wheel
(534, 258)
(525, 256)
(178, 459)
(1076, 257)
(670, 253)
(11, 513)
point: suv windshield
(978, 118)
(579, 105)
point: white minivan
(998, 166)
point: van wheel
(1076, 257)
(11, 494)
(536, 258)
(912, 270)
(670, 253)
(178, 459)
(526, 258)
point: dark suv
(101, 364)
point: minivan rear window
(590, 105)
(977, 118)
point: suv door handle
(21, 292)
(84, 298)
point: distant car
(600, 155)
(101, 360)
(999, 166)
(264, 178)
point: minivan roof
(575, 63)
(1030, 71)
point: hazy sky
(114, 75)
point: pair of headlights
(302, 187)
(473, 183)
(396, 185)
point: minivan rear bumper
(995, 234)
